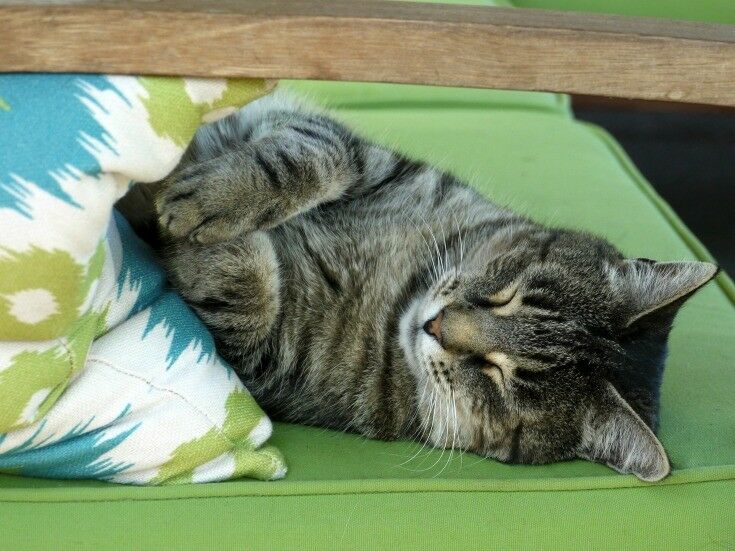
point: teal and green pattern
(104, 373)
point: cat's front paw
(196, 203)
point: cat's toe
(179, 217)
(212, 230)
(179, 206)
(197, 204)
(189, 215)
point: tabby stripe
(329, 277)
(180, 196)
(210, 304)
(409, 169)
(402, 168)
(272, 173)
(263, 365)
(515, 446)
(192, 171)
(247, 133)
(327, 274)
(356, 148)
(530, 376)
(538, 301)
(327, 124)
(227, 134)
(489, 227)
(446, 181)
(316, 135)
(205, 220)
(546, 245)
(302, 347)
(267, 216)
(286, 160)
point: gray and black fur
(354, 288)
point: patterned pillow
(104, 373)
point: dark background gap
(688, 155)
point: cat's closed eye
(506, 301)
(497, 299)
(504, 296)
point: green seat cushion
(343, 491)
(360, 96)
(711, 11)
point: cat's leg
(287, 163)
(233, 286)
(241, 176)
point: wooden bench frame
(377, 41)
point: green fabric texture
(343, 491)
(46, 371)
(179, 124)
(711, 11)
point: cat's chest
(357, 261)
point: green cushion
(347, 492)
(712, 11)
(359, 96)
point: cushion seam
(687, 477)
(370, 492)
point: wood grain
(376, 41)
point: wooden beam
(375, 41)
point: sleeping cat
(357, 289)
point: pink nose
(434, 326)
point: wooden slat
(376, 41)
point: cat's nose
(433, 327)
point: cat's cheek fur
(408, 333)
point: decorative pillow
(104, 373)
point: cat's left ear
(614, 434)
(651, 286)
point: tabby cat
(354, 288)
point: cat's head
(548, 345)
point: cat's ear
(651, 286)
(612, 433)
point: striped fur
(316, 258)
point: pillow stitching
(218, 430)
(274, 466)
(233, 445)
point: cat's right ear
(612, 433)
(651, 286)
